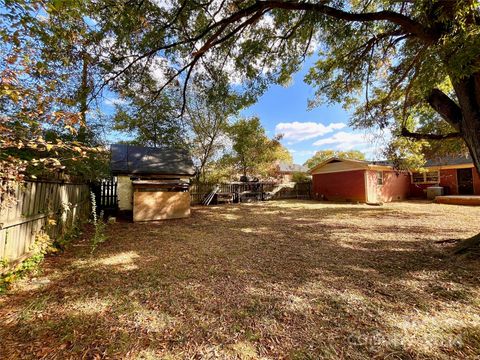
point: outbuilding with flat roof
(152, 182)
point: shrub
(300, 177)
(99, 224)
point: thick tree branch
(259, 8)
(446, 107)
(419, 136)
(213, 40)
(214, 32)
(407, 24)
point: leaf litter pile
(284, 279)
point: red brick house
(377, 181)
(363, 181)
(457, 176)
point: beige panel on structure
(339, 166)
(371, 187)
(125, 192)
(160, 205)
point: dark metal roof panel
(381, 162)
(128, 159)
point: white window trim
(381, 172)
(425, 178)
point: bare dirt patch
(285, 279)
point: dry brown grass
(286, 279)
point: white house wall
(125, 192)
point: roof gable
(127, 159)
(284, 167)
(335, 164)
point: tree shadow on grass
(261, 283)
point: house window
(379, 177)
(417, 178)
(429, 177)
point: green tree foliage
(300, 177)
(253, 153)
(158, 120)
(322, 155)
(41, 115)
(388, 59)
(411, 153)
(208, 112)
(57, 52)
(152, 123)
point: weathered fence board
(46, 207)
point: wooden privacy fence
(301, 190)
(43, 207)
(268, 190)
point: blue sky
(284, 110)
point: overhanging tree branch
(446, 107)
(256, 10)
(407, 24)
(419, 136)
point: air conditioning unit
(434, 191)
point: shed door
(465, 181)
(371, 187)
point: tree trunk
(84, 91)
(469, 246)
(468, 94)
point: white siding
(125, 193)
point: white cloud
(159, 68)
(299, 131)
(266, 22)
(344, 140)
(303, 153)
(164, 4)
(115, 101)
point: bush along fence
(45, 212)
(248, 191)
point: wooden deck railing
(262, 190)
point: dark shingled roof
(284, 167)
(450, 160)
(127, 159)
(381, 162)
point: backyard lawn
(283, 279)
